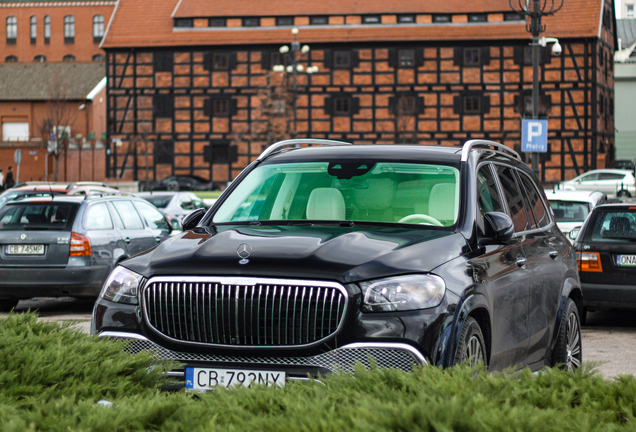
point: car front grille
(244, 312)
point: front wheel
(471, 348)
(568, 352)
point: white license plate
(626, 260)
(30, 249)
(203, 379)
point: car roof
(72, 198)
(608, 170)
(578, 195)
(57, 187)
(620, 205)
(395, 152)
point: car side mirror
(499, 228)
(192, 219)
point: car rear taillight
(589, 261)
(80, 245)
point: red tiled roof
(224, 8)
(149, 23)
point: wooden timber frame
(164, 96)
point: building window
(10, 59)
(69, 58)
(184, 22)
(472, 105)
(478, 17)
(98, 58)
(513, 16)
(371, 19)
(15, 131)
(630, 11)
(220, 107)
(98, 28)
(47, 29)
(341, 106)
(285, 21)
(12, 29)
(69, 29)
(33, 29)
(275, 59)
(341, 59)
(39, 58)
(442, 18)
(216, 22)
(406, 19)
(406, 105)
(251, 22)
(220, 61)
(278, 106)
(318, 20)
(406, 57)
(472, 56)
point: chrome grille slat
(256, 313)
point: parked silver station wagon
(55, 246)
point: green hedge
(52, 378)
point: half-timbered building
(191, 88)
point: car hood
(344, 254)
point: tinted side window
(611, 176)
(513, 196)
(98, 218)
(154, 219)
(537, 208)
(128, 214)
(488, 196)
(590, 177)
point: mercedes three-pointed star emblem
(244, 251)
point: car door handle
(521, 261)
(127, 240)
(553, 254)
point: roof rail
(296, 143)
(485, 144)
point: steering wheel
(426, 219)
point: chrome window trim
(242, 281)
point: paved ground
(609, 338)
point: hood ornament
(244, 251)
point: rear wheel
(568, 352)
(6, 305)
(471, 347)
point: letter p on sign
(534, 136)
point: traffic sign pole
(17, 158)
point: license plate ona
(203, 379)
(30, 249)
(626, 260)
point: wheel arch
(571, 290)
(476, 306)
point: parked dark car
(318, 257)
(182, 183)
(606, 254)
(66, 246)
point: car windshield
(570, 211)
(37, 216)
(619, 225)
(159, 201)
(369, 191)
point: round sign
(17, 156)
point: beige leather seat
(326, 204)
(442, 204)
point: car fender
(470, 301)
(571, 289)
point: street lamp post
(293, 52)
(539, 9)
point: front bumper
(381, 354)
(609, 296)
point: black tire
(568, 352)
(471, 347)
(6, 305)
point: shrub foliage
(53, 377)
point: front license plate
(626, 260)
(203, 379)
(25, 249)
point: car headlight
(121, 286)
(403, 293)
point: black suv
(319, 257)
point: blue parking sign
(534, 136)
